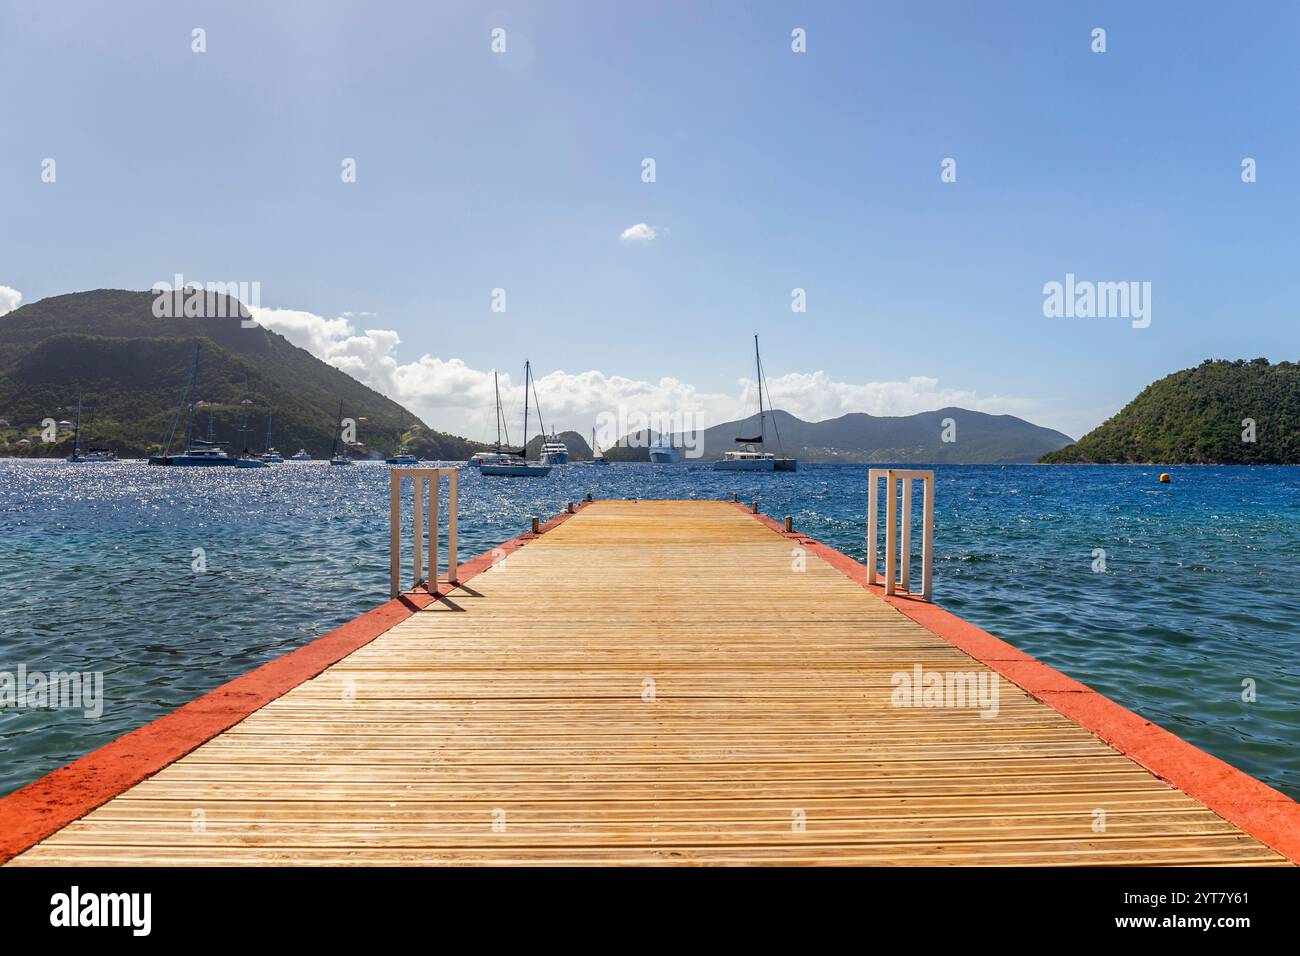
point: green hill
(133, 367)
(859, 438)
(1195, 417)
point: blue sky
(775, 170)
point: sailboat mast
(527, 377)
(496, 387)
(758, 373)
(194, 385)
(243, 416)
(76, 438)
(338, 423)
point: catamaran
(511, 464)
(198, 452)
(748, 457)
(339, 450)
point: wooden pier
(653, 682)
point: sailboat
(747, 457)
(597, 456)
(198, 453)
(339, 451)
(403, 457)
(270, 455)
(247, 459)
(511, 464)
(93, 454)
(77, 457)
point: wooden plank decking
(514, 722)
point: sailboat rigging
(511, 464)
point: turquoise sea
(1199, 592)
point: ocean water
(1198, 595)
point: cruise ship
(664, 454)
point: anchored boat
(403, 457)
(339, 450)
(246, 458)
(511, 464)
(199, 453)
(554, 451)
(93, 454)
(597, 456)
(753, 455)
(77, 457)
(661, 454)
(270, 455)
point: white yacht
(554, 452)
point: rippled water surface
(1199, 591)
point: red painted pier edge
(1268, 815)
(47, 805)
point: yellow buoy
(1164, 478)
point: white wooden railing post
(905, 546)
(418, 530)
(435, 494)
(891, 532)
(898, 540)
(395, 534)
(927, 538)
(453, 501)
(426, 480)
(873, 525)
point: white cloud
(638, 233)
(9, 299)
(451, 396)
(815, 396)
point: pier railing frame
(898, 540)
(425, 532)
